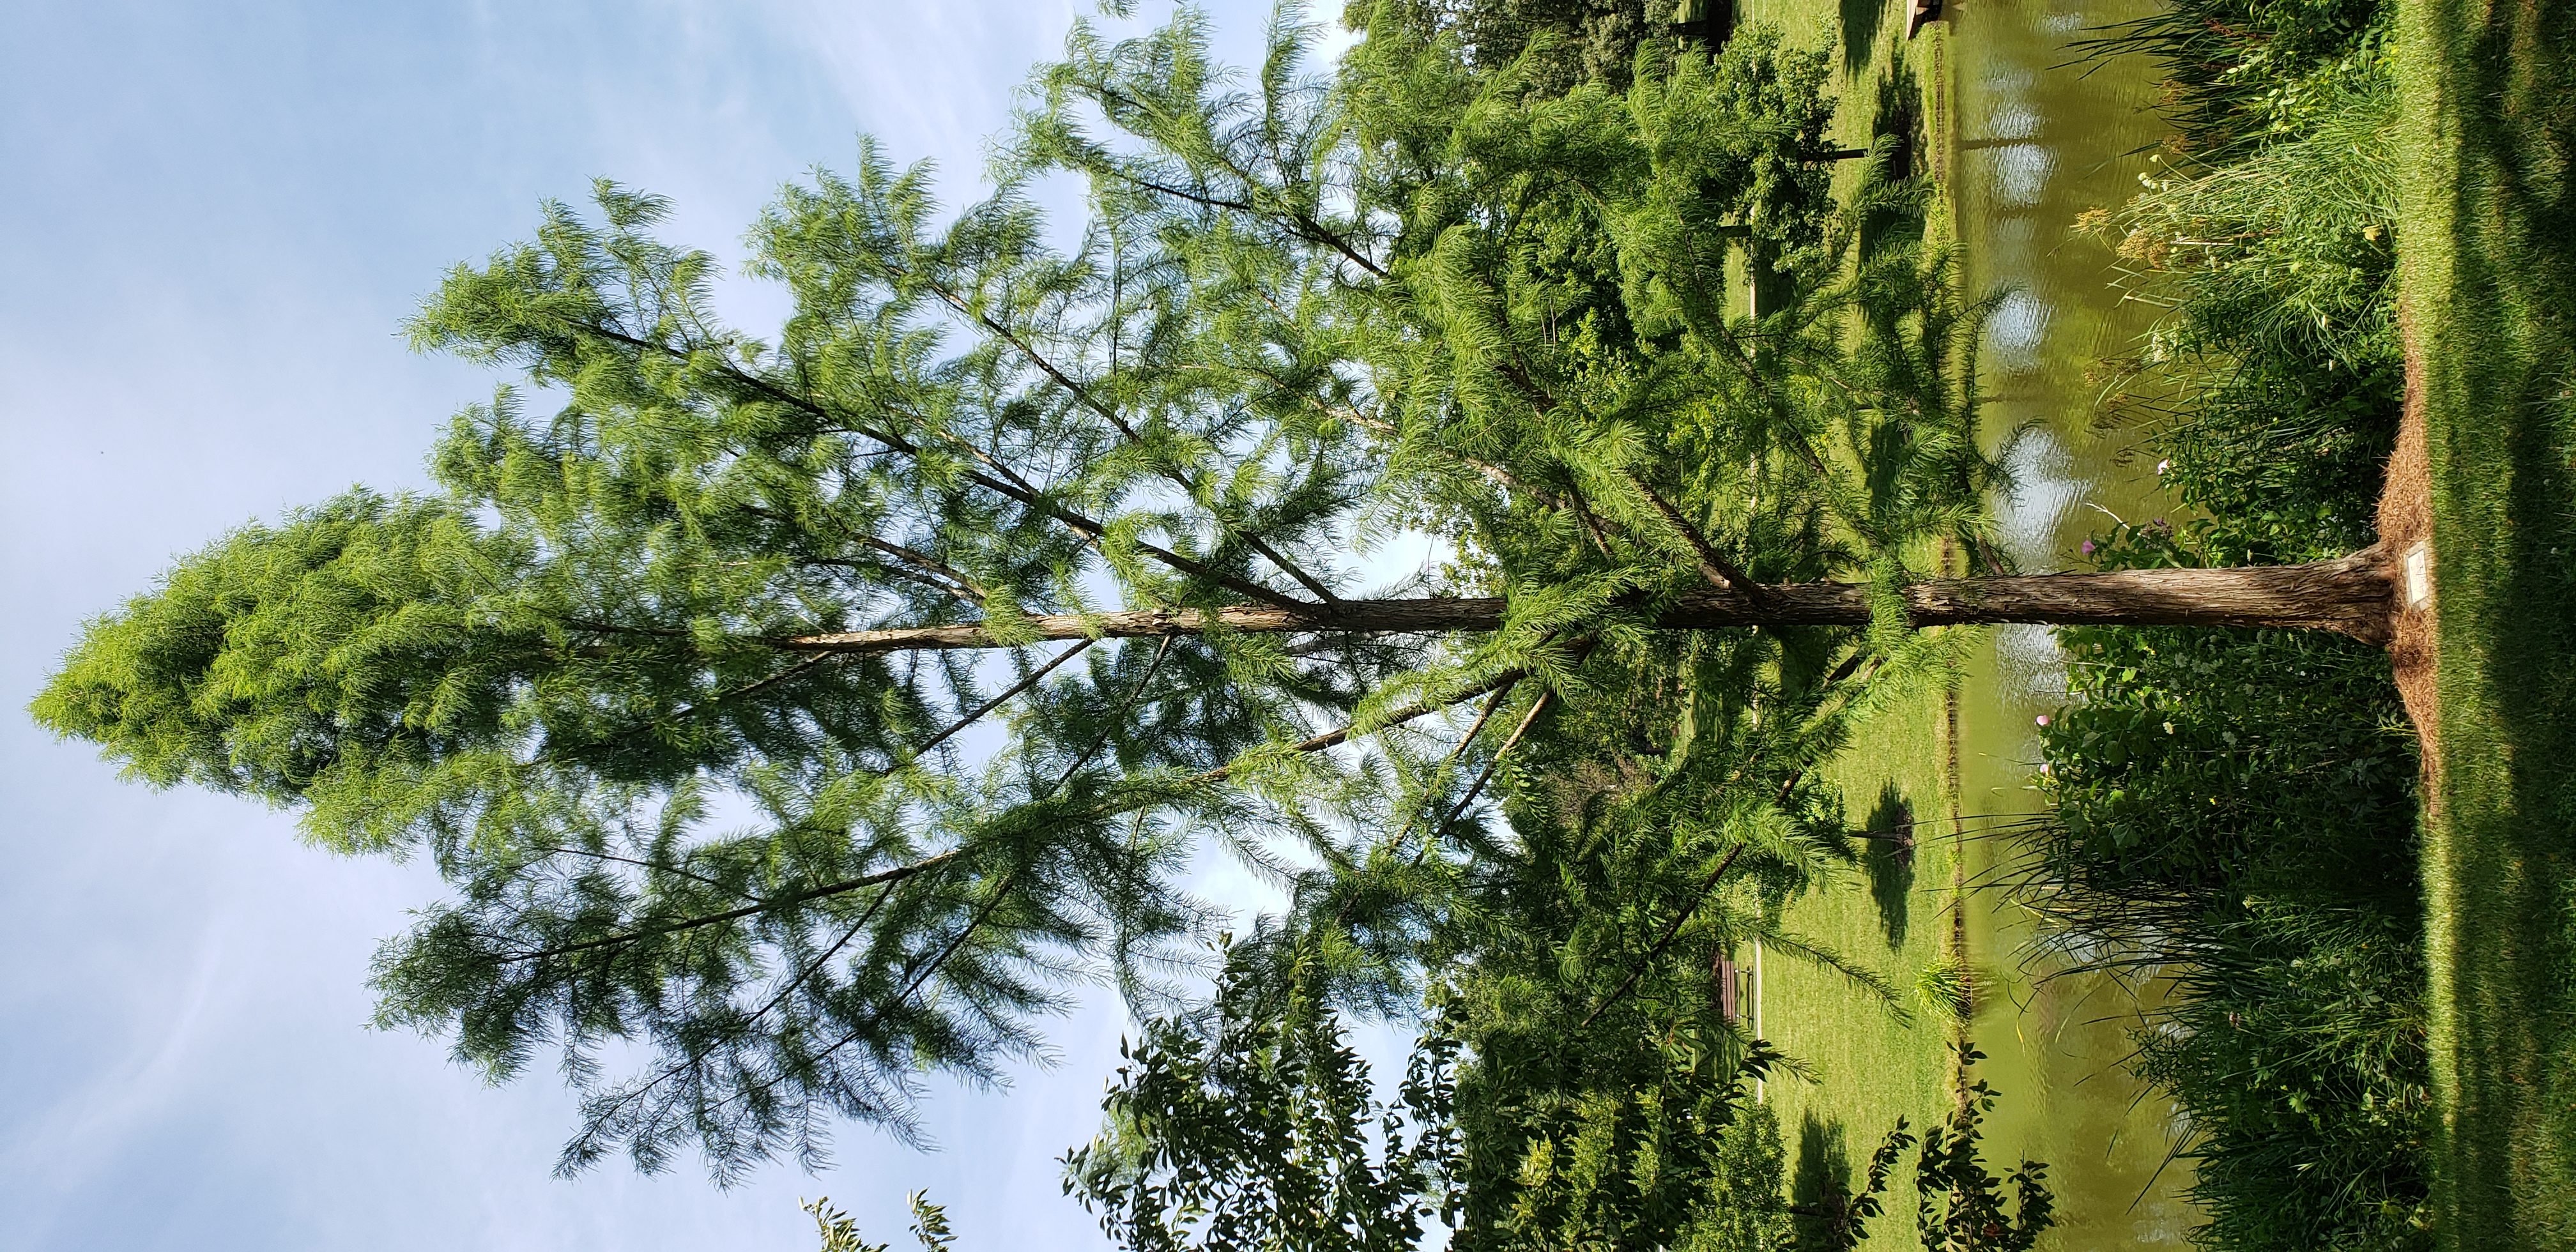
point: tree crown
(1007, 567)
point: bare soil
(2406, 520)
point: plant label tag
(2419, 575)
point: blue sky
(218, 212)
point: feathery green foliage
(1561, 44)
(1250, 1127)
(723, 692)
(840, 1232)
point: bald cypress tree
(808, 710)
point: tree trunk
(2352, 595)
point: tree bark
(2353, 595)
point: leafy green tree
(840, 1231)
(1744, 1210)
(1960, 1205)
(1254, 1125)
(1003, 572)
(1250, 1127)
(1601, 1079)
(1563, 43)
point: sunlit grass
(1870, 1062)
(2489, 270)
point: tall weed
(2281, 345)
(2240, 71)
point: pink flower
(2162, 466)
(2042, 719)
(2088, 547)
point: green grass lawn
(2489, 256)
(1867, 1066)
(2055, 1049)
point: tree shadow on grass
(1897, 114)
(2499, 408)
(1861, 22)
(1820, 1189)
(1887, 855)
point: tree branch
(925, 562)
(1335, 738)
(894, 875)
(1111, 728)
(1358, 616)
(1022, 492)
(1303, 226)
(996, 702)
(1713, 565)
(922, 578)
(1188, 484)
(1496, 474)
(693, 710)
(651, 865)
(1477, 788)
(1639, 970)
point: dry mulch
(2405, 520)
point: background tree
(1249, 1126)
(809, 710)
(1559, 44)
(1254, 1125)
(840, 1231)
